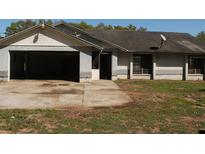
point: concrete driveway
(27, 94)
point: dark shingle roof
(148, 41)
(71, 30)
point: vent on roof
(154, 48)
(163, 39)
(191, 45)
(77, 35)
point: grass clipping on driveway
(158, 107)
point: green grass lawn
(158, 107)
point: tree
(142, 29)
(110, 27)
(24, 24)
(19, 26)
(131, 27)
(45, 21)
(120, 28)
(201, 36)
(100, 26)
(82, 25)
(103, 26)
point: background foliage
(24, 24)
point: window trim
(194, 69)
(141, 68)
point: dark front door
(105, 66)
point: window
(95, 60)
(142, 64)
(196, 65)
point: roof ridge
(116, 30)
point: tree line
(20, 25)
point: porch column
(114, 65)
(186, 67)
(154, 66)
(131, 65)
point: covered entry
(106, 65)
(44, 65)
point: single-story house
(62, 51)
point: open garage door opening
(44, 65)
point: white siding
(169, 66)
(85, 66)
(4, 61)
(195, 77)
(142, 76)
(44, 38)
(123, 65)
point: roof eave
(167, 51)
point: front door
(105, 66)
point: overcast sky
(188, 26)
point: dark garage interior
(44, 65)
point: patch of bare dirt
(192, 119)
(87, 130)
(37, 117)
(5, 132)
(50, 125)
(139, 130)
(188, 119)
(25, 131)
(156, 129)
(149, 97)
(134, 93)
(168, 121)
(192, 97)
(158, 97)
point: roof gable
(45, 31)
(44, 38)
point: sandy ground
(29, 94)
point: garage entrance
(44, 65)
